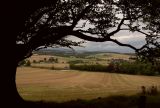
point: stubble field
(64, 85)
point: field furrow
(60, 85)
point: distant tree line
(134, 68)
(27, 62)
(45, 60)
(75, 61)
(85, 67)
(52, 59)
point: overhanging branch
(122, 44)
(118, 27)
(105, 35)
(88, 38)
(104, 39)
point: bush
(34, 61)
(45, 59)
(52, 59)
(28, 63)
(52, 68)
(21, 63)
(56, 60)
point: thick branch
(144, 46)
(109, 34)
(94, 39)
(72, 12)
(122, 44)
(92, 33)
(143, 32)
(79, 16)
(37, 17)
(118, 27)
(88, 38)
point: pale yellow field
(63, 60)
(64, 85)
(41, 57)
(49, 65)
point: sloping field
(64, 85)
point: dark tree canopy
(43, 23)
(91, 20)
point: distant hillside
(67, 51)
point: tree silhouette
(46, 23)
(151, 55)
(106, 18)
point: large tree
(92, 20)
(48, 23)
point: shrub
(152, 90)
(21, 63)
(56, 60)
(25, 63)
(52, 68)
(45, 59)
(28, 63)
(34, 61)
(52, 59)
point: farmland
(54, 81)
(63, 85)
(64, 60)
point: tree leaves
(50, 24)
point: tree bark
(9, 94)
(14, 16)
(16, 99)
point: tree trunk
(16, 16)
(13, 96)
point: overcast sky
(134, 39)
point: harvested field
(63, 85)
